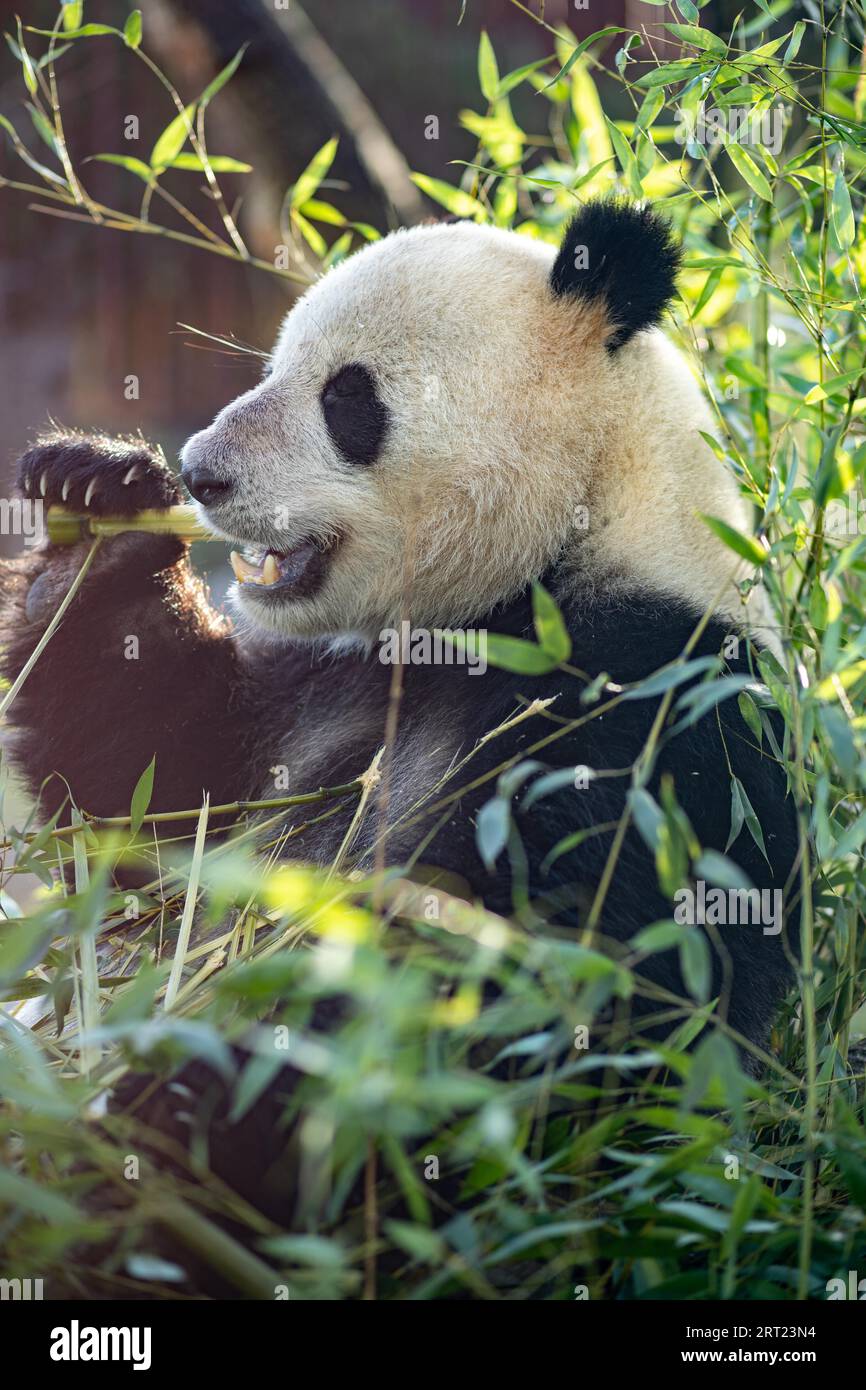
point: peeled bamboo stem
(65, 527)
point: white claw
(91, 488)
(64, 491)
(26, 483)
(43, 484)
(130, 475)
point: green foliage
(715, 1185)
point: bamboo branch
(228, 808)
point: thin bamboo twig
(227, 808)
(49, 632)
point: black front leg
(141, 665)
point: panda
(450, 418)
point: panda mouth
(296, 573)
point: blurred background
(85, 308)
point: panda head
(454, 410)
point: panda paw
(96, 474)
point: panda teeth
(247, 573)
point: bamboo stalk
(244, 1270)
(65, 527)
(89, 1053)
(174, 978)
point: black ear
(626, 256)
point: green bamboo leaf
(709, 288)
(695, 964)
(141, 797)
(625, 155)
(172, 139)
(743, 545)
(702, 698)
(514, 79)
(222, 78)
(313, 175)
(132, 30)
(841, 213)
(27, 157)
(23, 1194)
(220, 163)
(72, 14)
(647, 815)
(338, 252)
(22, 949)
(44, 129)
(829, 480)
(672, 676)
(678, 71)
(738, 812)
(566, 845)
(513, 654)
(753, 825)
(312, 236)
(550, 628)
(624, 52)
(650, 108)
(833, 386)
(488, 69)
(127, 161)
(323, 212)
(749, 171)
(751, 715)
(720, 871)
(794, 46)
(454, 199)
(491, 830)
(700, 38)
(29, 72)
(584, 44)
(84, 32)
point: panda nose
(205, 486)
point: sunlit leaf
(550, 628)
(132, 29)
(220, 163)
(488, 70)
(841, 213)
(127, 161)
(743, 545)
(222, 78)
(313, 175)
(172, 139)
(749, 171)
(457, 202)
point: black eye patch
(355, 416)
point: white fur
(507, 416)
